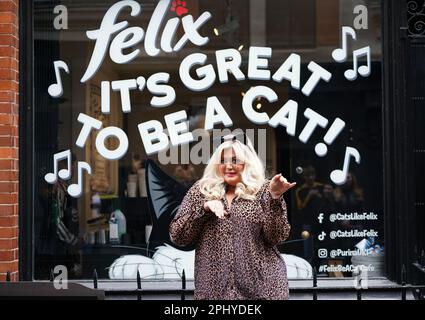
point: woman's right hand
(217, 207)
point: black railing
(139, 285)
(418, 291)
(314, 283)
(95, 279)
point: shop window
(113, 226)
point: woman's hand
(217, 207)
(279, 185)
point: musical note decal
(64, 174)
(340, 55)
(56, 89)
(75, 190)
(364, 71)
(339, 177)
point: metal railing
(418, 291)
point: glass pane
(323, 134)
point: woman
(236, 218)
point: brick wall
(9, 108)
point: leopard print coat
(236, 257)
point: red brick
(8, 244)
(9, 175)
(7, 96)
(9, 140)
(5, 107)
(14, 64)
(7, 52)
(5, 62)
(6, 210)
(8, 40)
(8, 6)
(8, 28)
(9, 63)
(8, 187)
(8, 266)
(8, 153)
(12, 142)
(14, 276)
(7, 255)
(6, 233)
(8, 17)
(8, 221)
(8, 85)
(13, 164)
(11, 108)
(6, 118)
(7, 130)
(9, 74)
(9, 164)
(8, 198)
(6, 142)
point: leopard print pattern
(236, 257)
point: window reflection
(77, 232)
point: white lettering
(124, 86)
(153, 137)
(248, 99)
(319, 73)
(191, 31)
(125, 39)
(122, 148)
(89, 123)
(103, 34)
(229, 60)
(206, 73)
(178, 128)
(212, 118)
(255, 63)
(156, 85)
(287, 117)
(284, 72)
(315, 120)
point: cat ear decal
(165, 195)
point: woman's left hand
(279, 185)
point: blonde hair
(212, 184)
